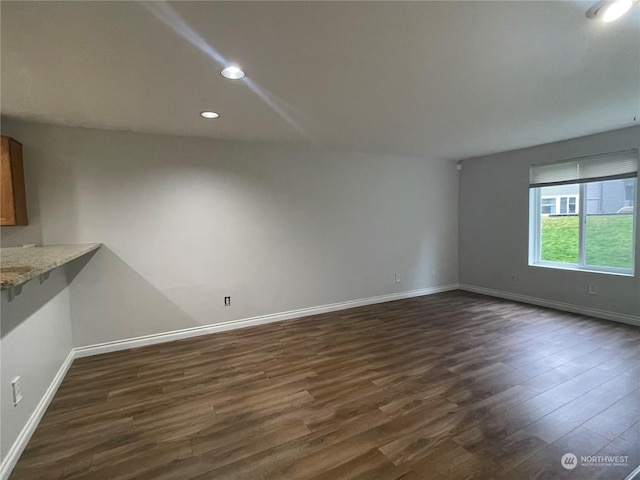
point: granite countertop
(18, 265)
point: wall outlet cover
(16, 390)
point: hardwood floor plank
(453, 386)
(618, 418)
(582, 409)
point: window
(568, 205)
(562, 205)
(582, 213)
(629, 193)
(548, 206)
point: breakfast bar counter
(18, 265)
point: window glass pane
(548, 206)
(559, 237)
(609, 223)
(629, 193)
(563, 205)
(602, 239)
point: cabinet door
(13, 204)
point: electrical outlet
(227, 301)
(397, 278)
(593, 289)
(17, 391)
(514, 277)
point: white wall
(36, 340)
(187, 221)
(494, 228)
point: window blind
(596, 168)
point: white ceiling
(434, 79)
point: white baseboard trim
(250, 322)
(567, 307)
(9, 462)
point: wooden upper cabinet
(13, 200)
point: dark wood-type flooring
(449, 386)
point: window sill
(575, 268)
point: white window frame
(535, 235)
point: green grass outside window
(609, 240)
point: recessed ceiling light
(232, 72)
(609, 10)
(209, 114)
